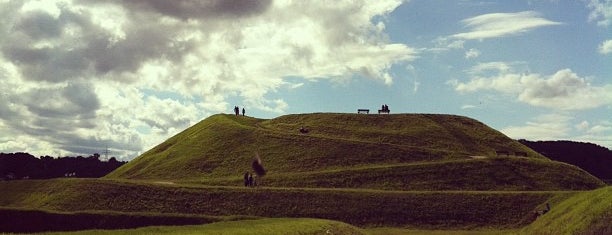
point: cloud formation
(472, 53)
(562, 126)
(496, 25)
(544, 127)
(81, 74)
(601, 11)
(563, 90)
(605, 47)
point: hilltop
(391, 152)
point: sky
(81, 76)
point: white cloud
(599, 132)
(560, 126)
(468, 106)
(496, 67)
(472, 53)
(543, 127)
(563, 90)
(444, 44)
(605, 47)
(601, 11)
(584, 125)
(131, 73)
(496, 25)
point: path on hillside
(310, 135)
(347, 190)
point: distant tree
(24, 165)
(595, 159)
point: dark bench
(364, 111)
(502, 153)
(520, 154)
(383, 111)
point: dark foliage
(592, 158)
(26, 166)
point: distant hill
(399, 152)
(593, 158)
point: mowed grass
(276, 226)
(495, 174)
(372, 171)
(31, 221)
(402, 231)
(446, 209)
(584, 213)
(224, 145)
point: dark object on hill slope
(592, 158)
(257, 166)
(304, 130)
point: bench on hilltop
(363, 111)
(384, 111)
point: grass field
(31, 221)
(584, 213)
(362, 207)
(495, 174)
(224, 145)
(279, 226)
(387, 174)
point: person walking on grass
(250, 180)
(246, 179)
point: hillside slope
(361, 207)
(584, 213)
(392, 152)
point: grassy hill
(391, 152)
(420, 171)
(584, 213)
(421, 209)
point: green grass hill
(422, 209)
(414, 171)
(584, 213)
(391, 152)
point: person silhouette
(243, 111)
(246, 179)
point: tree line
(592, 158)
(25, 166)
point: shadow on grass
(32, 221)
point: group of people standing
(385, 108)
(237, 111)
(249, 180)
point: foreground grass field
(281, 226)
(584, 213)
(361, 207)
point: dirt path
(165, 182)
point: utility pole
(106, 154)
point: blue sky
(79, 75)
